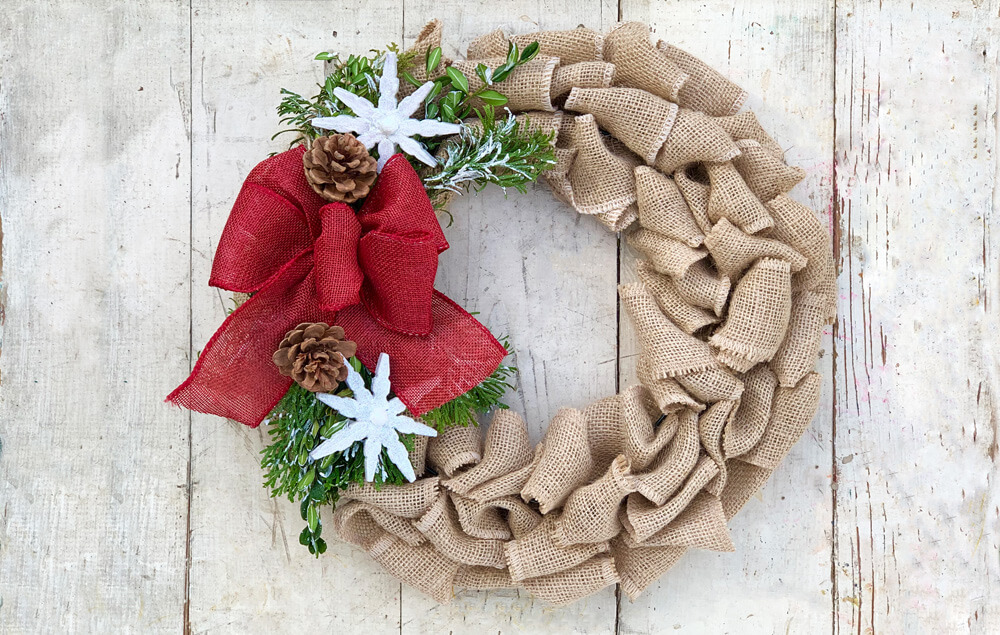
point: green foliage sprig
(297, 425)
(358, 74)
(501, 151)
(457, 102)
(301, 422)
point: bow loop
(385, 256)
(398, 205)
(264, 231)
(399, 250)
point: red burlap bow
(372, 272)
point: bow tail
(234, 376)
(428, 370)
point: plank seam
(188, 484)
(835, 211)
(618, 355)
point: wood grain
(126, 130)
(917, 499)
(95, 181)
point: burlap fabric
(737, 284)
(428, 39)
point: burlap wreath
(738, 283)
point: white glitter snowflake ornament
(389, 124)
(374, 419)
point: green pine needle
(462, 410)
(358, 74)
(301, 422)
(500, 151)
(297, 425)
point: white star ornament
(374, 419)
(389, 124)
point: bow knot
(396, 238)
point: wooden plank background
(125, 132)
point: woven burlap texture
(428, 39)
(729, 308)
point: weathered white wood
(540, 272)
(249, 574)
(105, 265)
(917, 382)
(94, 182)
(779, 577)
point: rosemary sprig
(500, 151)
(359, 74)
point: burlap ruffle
(737, 285)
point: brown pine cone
(339, 168)
(315, 356)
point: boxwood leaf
(493, 98)
(433, 59)
(458, 79)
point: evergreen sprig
(501, 151)
(297, 425)
(451, 98)
(462, 410)
(358, 74)
(301, 422)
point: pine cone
(315, 356)
(339, 168)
